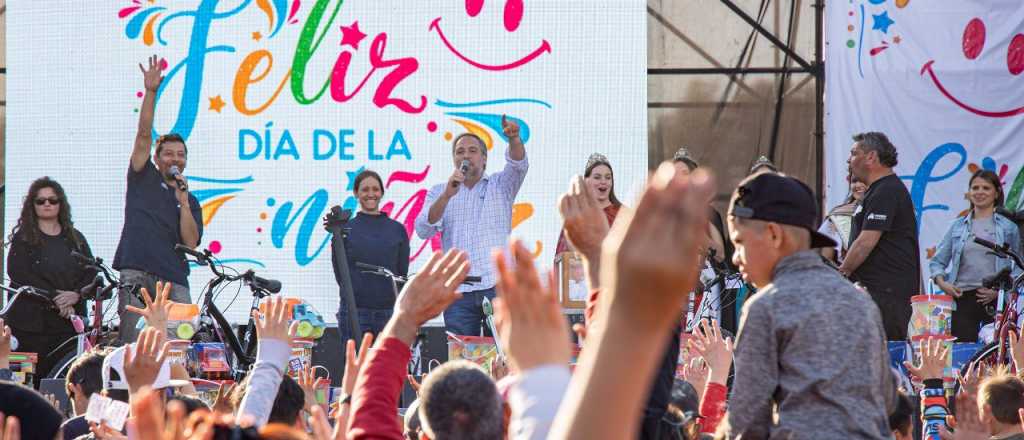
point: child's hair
(1004, 394)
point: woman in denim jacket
(960, 264)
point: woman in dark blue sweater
(374, 239)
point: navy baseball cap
(776, 198)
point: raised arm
(516, 149)
(144, 136)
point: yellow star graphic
(216, 103)
(257, 36)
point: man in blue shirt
(159, 213)
(473, 213)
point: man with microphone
(473, 213)
(159, 213)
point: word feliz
(323, 144)
(256, 67)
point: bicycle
(97, 333)
(997, 353)
(214, 327)
(416, 361)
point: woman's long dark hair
(611, 192)
(28, 223)
(993, 179)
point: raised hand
(696, 373)
(153, 76)
(308, 381)
(341, 413)
(530, 322)
(509, 128)
(433, 289)
(585, 223)
(716, 351)
(5, 345)
(354, 363)
(651, 258)
(156, 310)
(967, 422)
(149, 422)
(275, 322)
(933, 360)
(10, 428)
(1017, 351)
(223, 403)
(142, 361)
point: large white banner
(943, 80)
(283, 102)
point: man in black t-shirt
(883, 254)
(159, 214)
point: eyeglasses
(51, 200)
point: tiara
(763, 162)
(596, 158)
(683, 154)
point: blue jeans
(370, 321)
(466, 316)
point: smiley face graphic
(973, 45)
(513, 16)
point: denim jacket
(946, 261)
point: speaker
(329, 352)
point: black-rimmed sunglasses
(51, 200)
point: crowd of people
(809, 359)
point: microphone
(272, 286)
(463, 168)
(199, 256)
(176, 174)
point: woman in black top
(375, 239)
(40, 256)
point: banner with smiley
(943, 81)
(283, 102)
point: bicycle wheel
(987, 356)
(60, 369)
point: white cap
(115, 362)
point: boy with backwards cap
(810, 356)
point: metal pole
(725, 70)
(780, 97)
(760, 29)
(819, 104)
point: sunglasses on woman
(51, 200)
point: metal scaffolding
(815, 68)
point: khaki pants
(134, 280)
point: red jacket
(375, 402)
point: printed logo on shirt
(879, 217)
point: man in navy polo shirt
(159, 213)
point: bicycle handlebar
(1001, 250)
(383, 271)
(203, 258)
(249, 277)
(30, 291)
